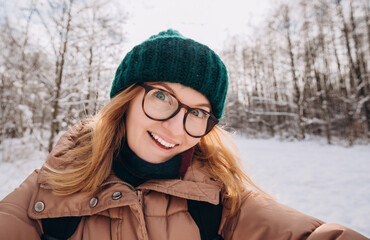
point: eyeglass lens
(160, 105)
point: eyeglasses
(161, 105)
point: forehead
(185, 94)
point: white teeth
(161, 141)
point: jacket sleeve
(334, 231)
(14, 221)
(265, 219)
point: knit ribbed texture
(135, 171)
(170, 57)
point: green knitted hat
(170, 57)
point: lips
(160, 142)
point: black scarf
(135, 171)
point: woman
(153, 164)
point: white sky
(207, 21)
(210, 22)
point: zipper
(139, 194)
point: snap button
(93, 202)
(116, 195)
(39, 206)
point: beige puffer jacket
(155, 210)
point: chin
(155, 159)
(159, 160)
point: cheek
(191, 142)
(135, 121)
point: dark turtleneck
(135, 171)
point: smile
(162, 143)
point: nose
(175, 124)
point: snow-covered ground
(18, 158)
(331, 183)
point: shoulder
(15, 208)
(21, 195)
(13, 212)
(263, 218)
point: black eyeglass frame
(211, 122)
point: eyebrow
(165, 85)
(203, 105)
(169, 89)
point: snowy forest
(304, 71)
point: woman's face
(159, 141)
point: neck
(135, 171)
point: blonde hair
(101, 137)
(219, 152)
(94, 149)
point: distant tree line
(304, 71)
(55, 61)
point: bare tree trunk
(89, 108)
(23, 74)
(308, 57)
(367, 22)
(277, 121)
(21, 97)
(297, 96)
(324, 74)
(3, 106)
(352, 133)
(89, 101)
(255, 74)
(361, 71)
(345, 30)
(343, 92)
(246, 96)
(325, 102)
(255, 91)
(55, 123)
(97, 93)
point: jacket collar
(196, 185)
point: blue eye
(161, 95)
(197, 113)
